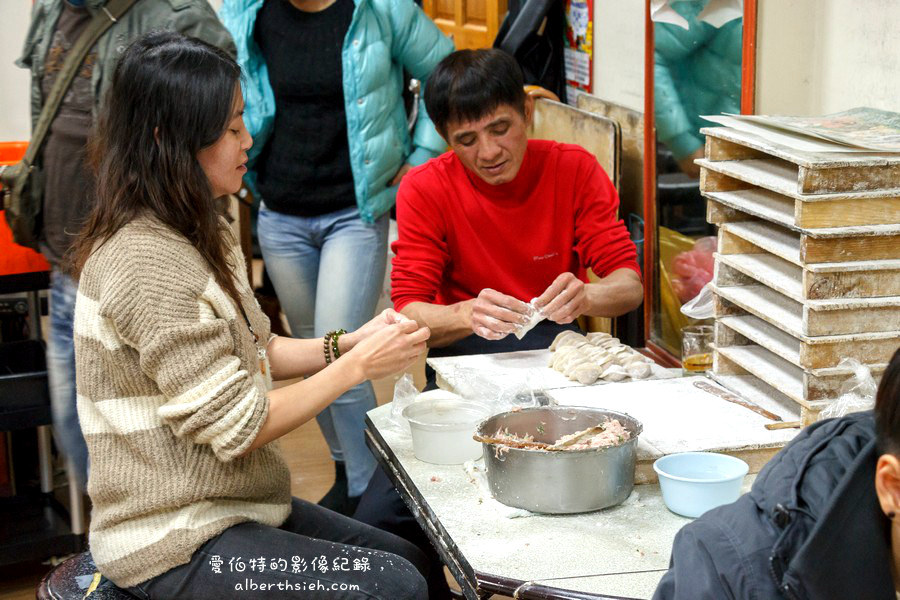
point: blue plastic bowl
(694, 482)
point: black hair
(170, 97)
(887, 408)
(469, 84)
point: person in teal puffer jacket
(697, 72)
(323, 83)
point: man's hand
(496, 315)
(565, 300)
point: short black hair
(469, 84)
(887, 408)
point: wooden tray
(825, 281)
(763, 183)
(801, 246)
(813, 389)
(819, 352)
(806, 173)
(810, 318)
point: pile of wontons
(586, 359)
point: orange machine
(15, 259)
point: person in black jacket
(821, 521)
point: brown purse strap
(103, 20)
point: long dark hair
(170, 97)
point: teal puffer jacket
(697, 72)
(384, 37)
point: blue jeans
(61, 374)
(328, 272)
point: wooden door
(469, 23)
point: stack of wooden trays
(808, 267)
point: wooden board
(679, 417)
(563, 123)
(861, 279)
(777, 176)
(755, 204)
(748, 236)
(832, 210)
(806, 352)
(631, 128)
(753, 237)
(812, 318)
(808, 266)
(837, 249)
(750, 204)
(771, 271)
(811, 173)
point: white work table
(677, 416)
(620, 552)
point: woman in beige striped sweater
(191, 497)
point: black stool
(72, 579)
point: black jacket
(810, 528)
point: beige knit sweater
(169, 395)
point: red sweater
(459, 234)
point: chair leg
(76, 503)
(44, 459)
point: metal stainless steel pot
(559, 482)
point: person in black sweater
(332, 149)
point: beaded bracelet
(334, 342)
(331, 339)
(327, 354)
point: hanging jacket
(810, 528)
(384, 38)
(697, 72)
(191, 17)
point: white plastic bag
(498, 394)
(857, 393)
(405, 393)
(700, 306)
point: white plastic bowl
(695, 482)
(442, 425)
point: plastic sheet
(405, 393)
(498, 394)
(857, 393)
(700, 306)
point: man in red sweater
(502, 219)
(489, 226)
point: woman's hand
(386, 317)
(389, 349)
